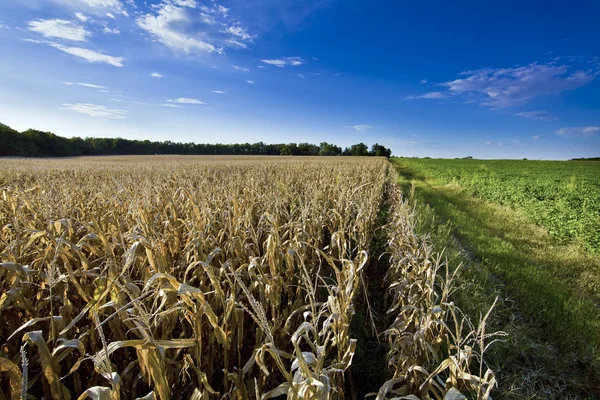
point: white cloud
(114, 31)
(101, 3)
(89, 55)
(81, 17)
(218, 91)
(156, 75)
(94, 4)
(240, 32)
(285, 62)
(359, 127)
(430, 95)
(96, 111)
(186, 100)
(162, 26)
(250, 82)
(423, 81)
(585, 131)
(170, 105)
(241, 68)
(536, 137)
(185, 26)
(537, 115)
(109, 15)
(88, 85)
(301, 76)
(236, 43)
(59, 28)
(509, 87)
(4, 25)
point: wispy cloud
(509, 87)
(537, 115)
(59, 28)
(109, 15)
(285, 62)
(536, 137)
(430, 95)
(81, 17)
(86, 54)
(240, 32)
(218, 91)
(243, 69)
(423, 81)
(359, 127)
(113, 31)
(96, 110)
(90, 55)
(156, 75)
(251, 82)
(186, 26)
(578, 131)
(88, 85)
(97, 6)
(4, 25)
(186, 100)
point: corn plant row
(435, 352)
(182, 278)
(214, 278)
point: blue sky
(431, 78)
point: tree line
(34, 143)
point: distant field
(563, 196)
(223, 277)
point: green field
(563, 196)
(524, 233)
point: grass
(221, 277)
(549, 291)
(562, 196)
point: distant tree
(359, 149)
(34, 143)
(380, 151)
(326, 149)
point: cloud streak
(90, 56)
(96, 111)
(285, 62)
(186, 100)
(59, 28)
(430, 95)
(537, 115)
(510, 87)
(88, 85)
(578, 131)
(359, 127)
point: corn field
(220, 278)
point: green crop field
(527, 233)
(562, 196)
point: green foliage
(33, 143)
(564, 197)
(549, 290)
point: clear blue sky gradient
(490, 79)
